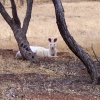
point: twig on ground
(95, 53)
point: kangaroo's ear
(49, 39)
(55, 39)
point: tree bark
(20, 33)
(73, 45)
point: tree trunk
(20, 33)
(73, 45)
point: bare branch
(95, 54)
(28, 16)
(14, 13)
(5, 15)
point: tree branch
(28, 16)
(95, 54)
(5, 15)
(14, 13)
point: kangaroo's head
(52, 44)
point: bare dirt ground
(61, 78)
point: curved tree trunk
(73, 45)
(20, 33)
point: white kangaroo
(41, 51)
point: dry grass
(82, 19)
(13, 66)
(7, 1)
